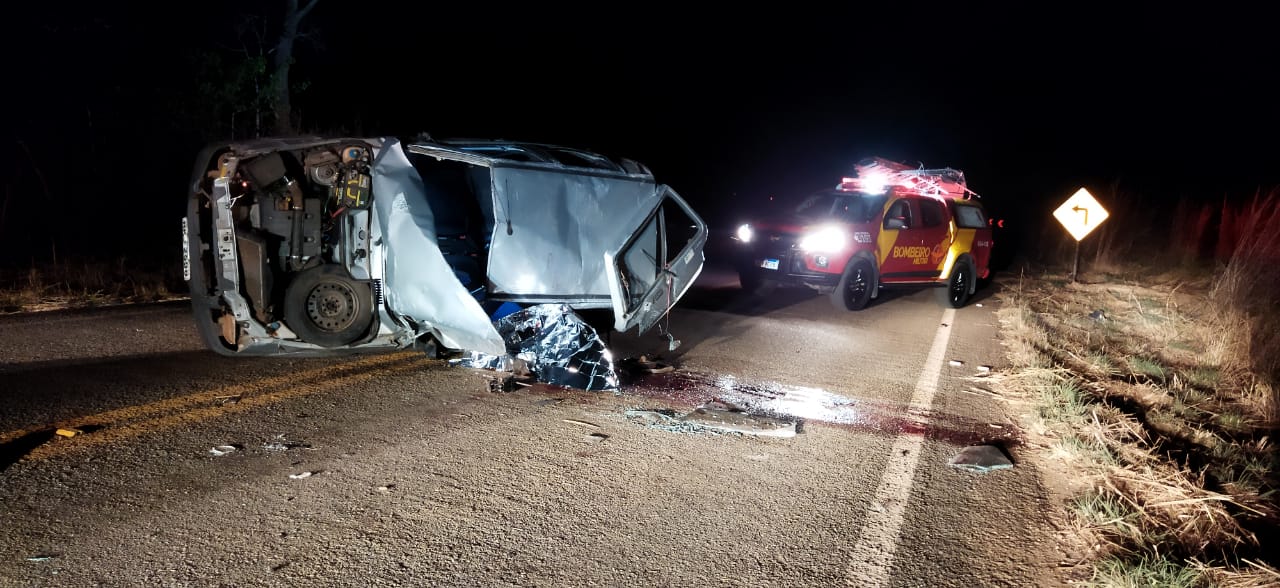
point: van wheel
(956, 293)
(326, 307)
(853, 291)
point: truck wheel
(853, 291)
(956, 293)
(324, 306)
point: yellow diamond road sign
(1080, 214)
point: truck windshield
(851, 207)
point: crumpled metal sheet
(555, 345)
(419, 284)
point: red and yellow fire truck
(887, 224)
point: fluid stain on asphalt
(803, 404)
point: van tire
(326, 307)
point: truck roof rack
(876, 175)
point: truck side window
(970, 217)
(900, 212)
(931, 213)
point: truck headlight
(823, 240)
(745, 233)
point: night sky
(1031, 101)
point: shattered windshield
(852, 207)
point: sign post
(1080, 215)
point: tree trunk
(282, 59)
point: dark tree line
(115, 104)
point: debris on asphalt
(385, 489)
(554, 345)
(634, 368)
(980, 459)
(222, 450)
(976, 390)
(226, 400)
(42, 557)
(979, 305)
(582, 423)
(708, 419)
(955, 363)
(509, 382)
(664, 420)
(279, 443)
(301, 475)
(502, 384)
(68, 432)
(596, 437)
(653, 366)
(984, 369)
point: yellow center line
(240, 390)
(197, 415)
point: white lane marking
(872, 557)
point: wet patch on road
(725, 402)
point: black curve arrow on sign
(1084, 210)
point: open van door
(657, 264)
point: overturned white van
(319, 246)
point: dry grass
(1232, 245)
(1247, 313)
(1163, 412)
(86, 283)
(1250, 574)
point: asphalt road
(393, 469)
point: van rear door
(657, 264)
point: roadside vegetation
(1153, 378)
(86, 283)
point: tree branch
(305, 9)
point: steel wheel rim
(332, 307)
